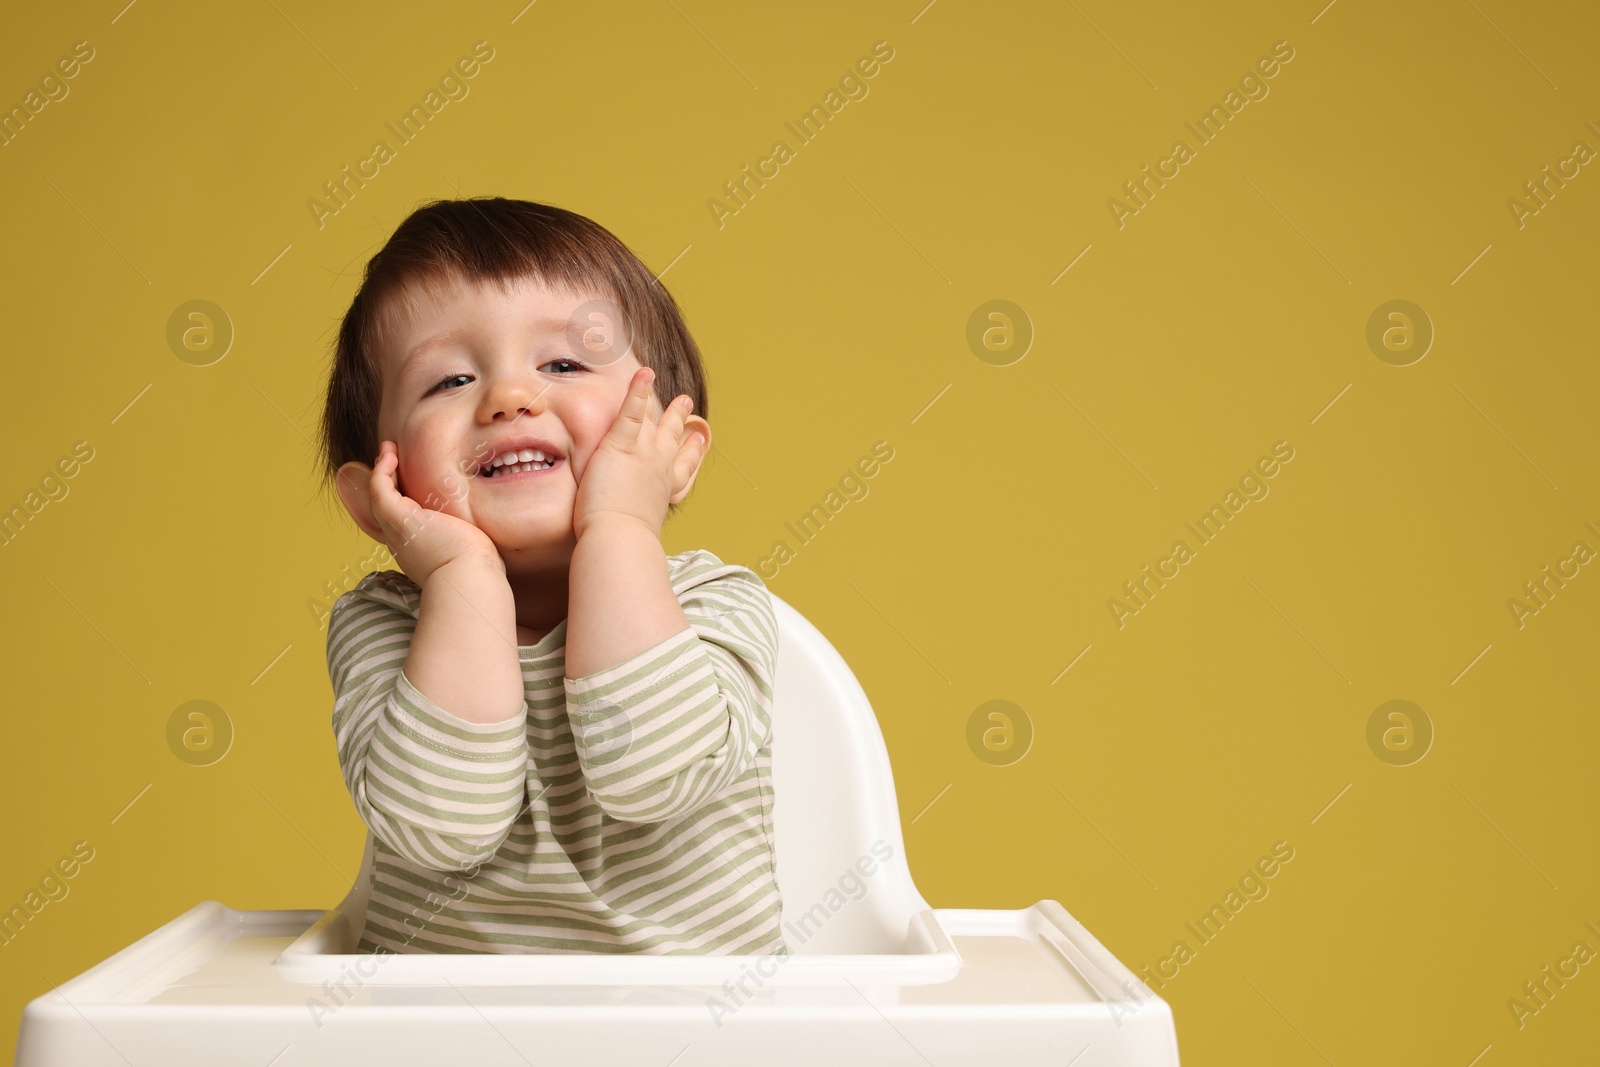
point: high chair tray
(218, 986)
(326, 952)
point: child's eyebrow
(450, 337)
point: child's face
(511, 367)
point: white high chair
(881, 979)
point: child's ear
(694, 426)
(355, 489)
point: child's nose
(514, 393)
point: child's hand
(644, 462)
(421, 539)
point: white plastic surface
(881, 979)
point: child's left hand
(646, 461)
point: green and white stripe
(528, 836)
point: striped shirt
(629, 811)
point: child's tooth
(517, 462)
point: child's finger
(386, 498)
(635, 406)
(674, 418)
(377, 485)
(383, 473)
(690, 451)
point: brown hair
(493, 238)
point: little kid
(548, 724)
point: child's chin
(529, 538)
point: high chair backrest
(835, 799)
(835, 815)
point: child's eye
(442, 381)
(577, 366)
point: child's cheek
(453, 489)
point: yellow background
(1227, 315)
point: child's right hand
(422, 540)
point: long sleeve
(439, 790)
(663, 732)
